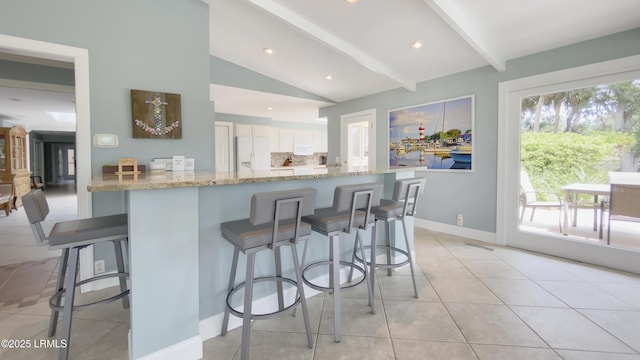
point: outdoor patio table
(571, 193)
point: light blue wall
(473, 194)
(13, 70)
(148, 45)
(157, 45)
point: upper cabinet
(283, 139)
(252, 130)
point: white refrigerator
(253, 153)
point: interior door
(358, 144)
(223, 146)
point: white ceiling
(365, 46)
(40, 110)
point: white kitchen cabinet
(244, 130)
(286, 140)
(319, 141)
(274, 134)
(252, 130)
(304, 137)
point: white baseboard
(457, 230)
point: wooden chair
(37, 183)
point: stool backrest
(408, 190)
(277, 206)
(36, 207)
(357, 197)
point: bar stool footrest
(58, 295)
(242, 285)
(330, 289)
(386, 265)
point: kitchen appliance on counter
(253, 153)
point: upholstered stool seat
(71, 236)
(351, 211)
(274, 221)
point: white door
(223, 146)
(358, 139)
(358, 144)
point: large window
(569, 143)
(568, 128)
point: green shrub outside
(554, 160)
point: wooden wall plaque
(155, 115)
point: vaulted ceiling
(365, 46)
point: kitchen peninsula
(179, 264)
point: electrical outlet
(460, 220)
(98, 267)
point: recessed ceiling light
(416, 44)
(269, 108)
(268, 51)
(351, 1)
(328, 77)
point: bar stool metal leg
(411, 267)
(303, 302)
(68, 302)
(335, 278)
(248, 300)
(232, 279)
(120, 265)
(62, 271)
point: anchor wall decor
(155, 115)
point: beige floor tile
(588, 355)
(492, 269)
(357, 318)
(400, 287)
(629, 293)
(625, 325)
(522, 292)
(431, 350)
(113, 346)
(353, 348)
(273, 345)
(471, 250)
(493, 324)
(444, 268)
(543, 270)
(583, 295)
(287, 323)
(568, 329)
(463, 290)
(495, 352)
(223, 347)
(420, 321)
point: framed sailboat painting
(436, 135)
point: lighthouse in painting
(421, 129)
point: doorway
(80, 59)
(357, 139)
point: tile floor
(476, 302)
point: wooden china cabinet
(13, 160)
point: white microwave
(302, 149)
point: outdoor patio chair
(529, 199)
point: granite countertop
(177, 179)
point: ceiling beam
(334, 42)
(456, 20)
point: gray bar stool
(402, 204)
(274, 221)
(71, 236)
(351, 210)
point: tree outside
(578, 136)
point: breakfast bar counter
(178, 262)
